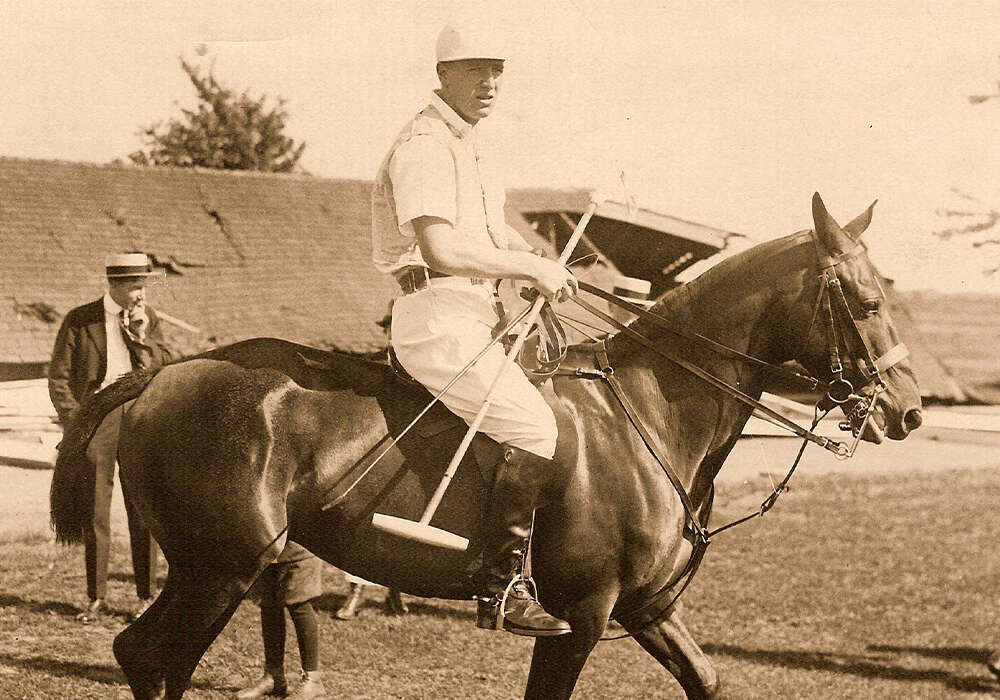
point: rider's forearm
(446, 251)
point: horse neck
(742, 303)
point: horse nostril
(913, 419)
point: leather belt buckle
(412, 279)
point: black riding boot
(508, 525)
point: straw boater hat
(128, 265)
(633, 289)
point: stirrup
(491, 613)
(516, 579)
(491, 609)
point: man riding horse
(438, 228)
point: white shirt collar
(461, 127)
(111, 306)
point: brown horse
(230, 453)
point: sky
(728, 113)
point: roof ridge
(129, 167)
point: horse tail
(71, 497)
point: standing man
(438, 228)
(97, 343)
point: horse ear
(827, 228)
(858, 225)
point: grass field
(853, 587)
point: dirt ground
(838, 592)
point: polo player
(438, 228)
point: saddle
(435, 434)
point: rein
(838, 390)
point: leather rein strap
(718, 347)
(832, 445)
(830, 293)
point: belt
(413, 279)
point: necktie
(123, 324)
(138, 350)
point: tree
(227, 131)
(976, 218)
(979, 221)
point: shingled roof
(244, 254)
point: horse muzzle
(880, 419)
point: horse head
(852, 341)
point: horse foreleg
(556, 662)
(674, 647)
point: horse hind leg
(160, 651)
(136, 648)
(673, 646)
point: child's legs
(272, 629)
(307, 633)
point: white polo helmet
(456, 43)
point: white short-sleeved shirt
(434, 168)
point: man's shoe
(94, 610)
(268, 685)
(311, 687)
(519, 614)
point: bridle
(843, 338)
(835, 308)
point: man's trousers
(102, 452)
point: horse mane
(722, 273)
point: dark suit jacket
(80, 355)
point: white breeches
(438, 330)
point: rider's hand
(553, 280)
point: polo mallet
(430, 404)
(422, 531)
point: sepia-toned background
(709, 125)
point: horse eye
(872, 306)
